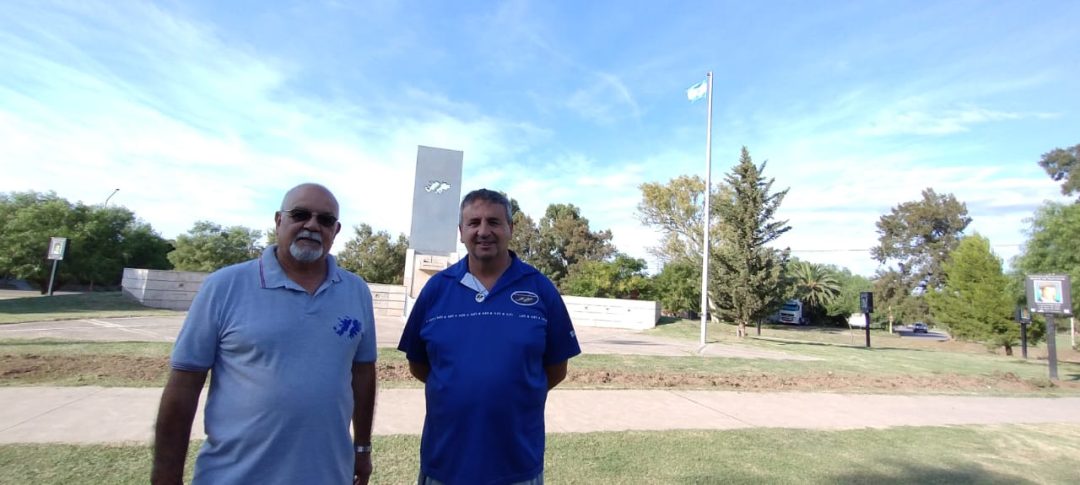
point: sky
(208, 110)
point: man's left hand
(363, 469)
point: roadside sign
(866, 302)
(56, 248)
(1049, 294)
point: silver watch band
(363, 448)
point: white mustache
(304, 233)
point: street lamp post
(106, 204)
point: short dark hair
(489, 196)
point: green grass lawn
(947, 455)
(894, 364)
(81, 305)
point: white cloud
(212, 135)
(944, 122)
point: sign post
(1023, 317)
(57, 245)
(866, 304)
(1049, 295)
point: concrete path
(88, 415)
(126, 415)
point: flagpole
(705, 227)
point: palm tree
(814, 284)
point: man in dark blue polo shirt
(489, 336)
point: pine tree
(746, 284)
(974, 303)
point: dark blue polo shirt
(487, 387)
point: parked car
(920, 327)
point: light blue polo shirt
(280, 402)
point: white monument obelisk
(433, 236)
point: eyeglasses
(302, 215)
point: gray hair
(488, 196)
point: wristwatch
(363, 448)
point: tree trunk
(741, 332)
(1008, 349)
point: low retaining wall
(388, 300)
(174, 290)
(156, 288)
(612, 313)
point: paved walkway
(124, 415)
(88, 415)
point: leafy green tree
(94, 257)
(525, 240)
(1052, 242)
(208, 247)
(1051, 247)
(894, 301)
(623, 277)
(101, 241)
(678, 288)
(145, 248)
(1061, 165)
(917, 236)
(28, 221)
(814, 284)
(374, 256)
(974, 303)
(675, 209)
(748, 284)
(846, 301)
(566, 240)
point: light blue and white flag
(698, 90)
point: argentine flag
(697, 91)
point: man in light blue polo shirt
(288, 340)
(489, 337)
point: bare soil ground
(36, 369)
(29, 369)
(944, 383)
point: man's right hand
(172, 432)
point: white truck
(791, 313)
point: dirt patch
(1005, 382)
(30, 369)
(394, 371)
(942, 383)
(20, 369)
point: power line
(866, 250)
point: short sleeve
(562, 342)
(411, 343)
(196, 346)
(368, 350)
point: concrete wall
(162, 289)
(175, 290)
(612, 313)
(389, 300)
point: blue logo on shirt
(347, 324)
(525, 298)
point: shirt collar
(460, 272)
(272, 275)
